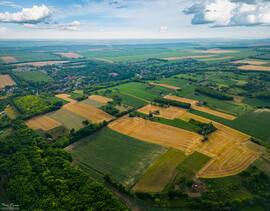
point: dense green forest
(37, 176)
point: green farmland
(161, 172)
(34, 76)
(122, 157)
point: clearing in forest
(6, 80)
(43, 123)
(157, 133)
(89, 112)
(100, 99)
(195, 105)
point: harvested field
(235, 159)
(157, 133)
(68, 119)
(217, 58)
(11, 112)
(9, 59)
(41, 64)
(195, 106)
(250, 62)
(92, 103)
(70, 55)
(254, 67)
(160, 173)
(91, 113)
(65, 97)
(6, 80)
(167, 113)
(188, 57)
(100, 99)
(181, 99)
(166, 86)
(215, 51)
(230, 150)
(43, 123)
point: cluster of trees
(213, 93)
(167, 102)
(205, 128)
(110, 109)
(37, 176)
(32, 105)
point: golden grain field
(157, 133)
(43, 123)
(100, 99)
(6, 80)
(89, 112)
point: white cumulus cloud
(224, 13)
(36, 14)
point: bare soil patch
(8, 59)
(6, 80)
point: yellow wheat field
(166, 86)
(9, 59)
(250, 62)
(100, 99)
(6, 80)
(65, 97)
(188, 57)
(254, 67)
(70, 55)
(44, 123)
(91, 113)
(157, 133)
(230, 150)
(195, 106)
(166, 112)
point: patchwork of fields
(149, 154)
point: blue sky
(112, 19)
